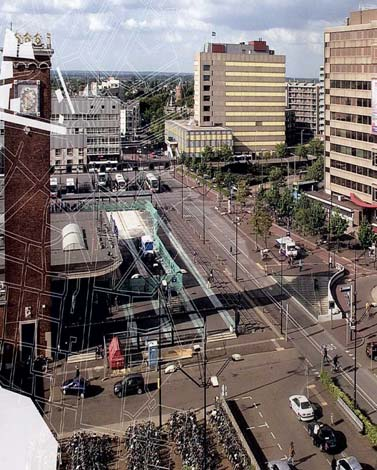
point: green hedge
(370, 429)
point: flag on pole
(213, 34)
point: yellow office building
(242, 87)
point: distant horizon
(113, 73)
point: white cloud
(98, 22)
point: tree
(316, 147)
(276, 176)
(309, 216)
(316, 217)
(242, 192)
(207, 153)
(338, 225)
(316, 170)
(286, 204)
(261, 221)
(272, 197)
(225, 153)
(366, 235)
(281, 150)
(301, 151)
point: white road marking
(273, 435)
(279, 446)
(260, 414)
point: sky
(163, 35)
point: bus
(120, 182)
(54, 187)
(70, 185)
(152, 182)
(102, 180)
(147, 245)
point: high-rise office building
(350, 100)
(321, 111)
(242, 87)
(303, 99)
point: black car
(323, 436)
(75, 386)
(132, 383)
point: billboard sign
(374, 105)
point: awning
(365, 205)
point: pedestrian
(98, 352)
(333, 463)
(208, 282)
(77, 375)
(368, 309)
(211, 274)
(300, 265)
(291, 454)
(325, 355)
(230, 249)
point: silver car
(348, 463)
(279, 465)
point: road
(303, 330)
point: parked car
(75, 386)
(279, 465)
(323, 436)
(348, 463)
(301, 407)
(132, 383)
(371, 350)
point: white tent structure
(26, 442)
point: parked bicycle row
(144, 444)
(83, 451)
(188, 436)
(228, 439)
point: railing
(359, 425)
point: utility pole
(205, 389)
(355, 340)
(159, 356)
(236, 243)
(182, 191)
(204, 217)
(281, 295)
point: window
(206, 67)
(259, 123)
(206, 78)
(70, 152)
(206, 98)
(81, 152)
(69, 162)
(58, 152)
(206, 108)
(57, 162)
(81, 161)
(206, 87)
(206, 118)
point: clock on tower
(28, 92)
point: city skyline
(164, 36)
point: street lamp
(204, 216)
(355, 339)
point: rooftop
(100, 254)
(191, 126)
